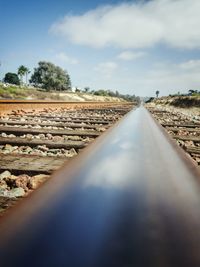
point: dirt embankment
(15, 92)
(187, 105)
(178, 101)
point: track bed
(34, 143)
(182, 128)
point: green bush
(11, 78)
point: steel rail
(132, 198)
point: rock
(3, 184)
(54, 150)
(50, 154)
(87, 139)
(29, 136)
(75, 138)
(189, 143)
(49, 136)
(4, 135)
(37, 180)
(15, 151)
(15, 147)
(57, 138)
(13, 193)
(22, 181)
(37, 127)
(16, 192)
(43, 148)
(197, 160)
(41, 136)
(101, 129)
(3, 192)
(8, 148)
(29, 150)
(13, 177)
(71, 153)
(10, 181)
(11, 136)
(4, 175)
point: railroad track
(183, 129)
(131, 198)
(34, 142)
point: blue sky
(135, 47)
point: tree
(21, 72)
(50, 77)
(27, 73)
(101, 92)
(116, 93)
(77, 90)
(157, 93)
(11, 78)
(192, 92)
(86, 89)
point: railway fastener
(130, 199)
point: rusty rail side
(132, 198)
(7, 106)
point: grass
(186, 102)
(16, 92)
(12, 92)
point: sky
(135, 47)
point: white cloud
(129, 55)
(107, 69)
(135, 25)
(167, 77)
(171, 78)
(193, 64)
(63, 58)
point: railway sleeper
(17, 141)
(71, 117)
(185, 124)
(195, 139)
(20, 131)
(30, 164)
(69, 120)
(71, 125)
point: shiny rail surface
(132, 198)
